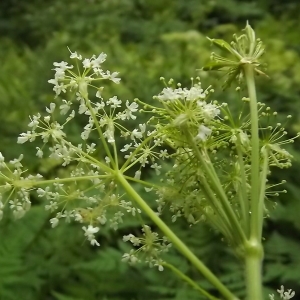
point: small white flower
(19, 212)
(90, 148)
(98, 94)
(64, 108)
(89, 233)
(86, 63)
(54, 222)
(102, 219)
(163, 154)
(244, 138)
(62, 65)
(17, 162)
(130, 257)
(39, 152)
(210, 110)
(47, 119)
(160, 267)
(1, 158)
(194, 93)
(51, 109)
(131, 108)
(156, 167)
(169, 94)
(82, 108)
(24, 137)
(94, 242)
(114, 78)
(52, 206)
(126, 147)
(137, 174)
(136, 134)
(114, 102)
(58, 88)
(34, 121)
(90, 230)
(96, 62)
(75, 55)
(203, 133)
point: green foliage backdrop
(144, 40)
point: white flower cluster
(189, 108)
(65, 79)
(88, 193)
(149, 245)
(192, 94)
(89, 232)
(18, 186)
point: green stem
(174, 239)
(244, 204)
(263, 180)
(151, 185)
(189, 281)
(116, 156)
(221, 216)
(87, 101)
(255, 213)
(127, 162)
(31, 183)
(254, 255)
(253, 248)
(103, 166)
(215, 182)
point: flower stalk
(172, 237)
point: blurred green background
(144, 39)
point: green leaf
(224, 45)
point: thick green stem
(253, 256)
(175, 240)
(254, 224)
